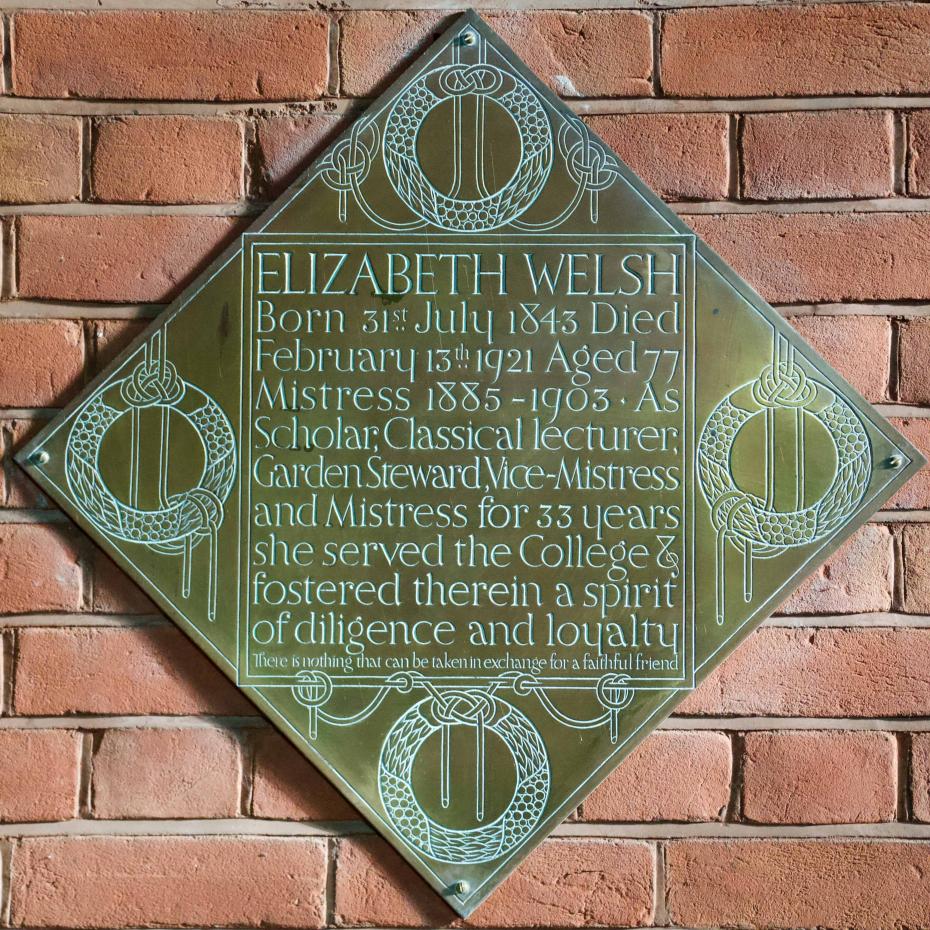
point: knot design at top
(783, 385)
(462, 706)
(152, 382)
(470, 79)
(457, 83)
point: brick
(168, 159)
(915, 495)
(857, 578)
(373, 39)
(810, 154)
(913, 370)
(858, 347)
(671, 775)
(285, 786)
(115, 258)
(106, 670)
(588, 53)
(108, 881)
(680, 156)
(41, 156)
(41, 362)
(819, 257)
(17, 489)
(115, 592)
(171, 54)
(40, 775)
(39, 570)
(578, 54)
(822, 50)
(830, 672)
(798, 883)
(783, 777)
(915, 542)
(920, 776)
(110, 337)
(163, 773)
(563, 883)
(288, 143)
(918, 153)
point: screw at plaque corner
(39, 457)
(469, 38)
(895, 461)
(460, 888)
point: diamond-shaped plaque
(467, 461)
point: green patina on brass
(467, 461)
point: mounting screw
(39, 457)
(469, 38)
(460, 888)
(895, 461)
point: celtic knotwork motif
(483, 82)
(592, 166)
(783, 384)
(182, 520)
(483, 711)
(473, 79)
(346, 166)
(615, 694)
(750, 522)
(313, 690)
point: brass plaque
(467, 461)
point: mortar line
(7, 466)
(658, 25)
(389, 5)
(237, 827)
(246, 746)
(329, 889)
(6, 27)
(26, 308)
(903, 805)
(334, 79)
(84, 621)
(7, 659)
(103, 620)
(10, 672)
(709, 722)
(8, 232)
(98, 208)
(251, 162)
(904, 309)
(660, 916)
(89, 743)
(894, 362)
(76, 106)
(735, 156)
(899, 148)
(86, 193)
(97, 722)
(6, 881)
(65, 310)
(734, 811)
(244, 208)
(40, 515)
(898, 570)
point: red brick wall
(137, 789)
